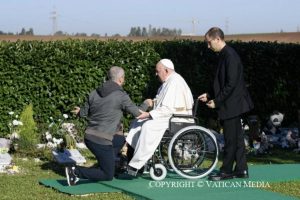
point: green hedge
(57, 75)
(272, 73)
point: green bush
(28, 131)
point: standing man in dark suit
(231, 99)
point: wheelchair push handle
(195, 107)
(193, 116)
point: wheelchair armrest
(182, 116)
(175, 126)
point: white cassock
(174, 97)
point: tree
(59, 33)
(30, 32)
(23, 31)
(149, 30)
(95, 35)
(138, 32)
(81, 34)
(144, 32)
(132, 31)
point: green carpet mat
(175, 187)
(82, 188)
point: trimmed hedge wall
(272, 73)
(57, 75)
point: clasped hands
(204, 98)
(144, 114)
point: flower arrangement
(14, 129)
(13, 126)
(61, 134)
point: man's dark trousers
(234, 149)
(106, 160)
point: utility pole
(194, 22)
(226, 25)
(53, 16)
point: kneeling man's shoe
(72, 179)
(220, 176)
(241, 174)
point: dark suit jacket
(230, 93)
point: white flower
(50, 125)
(17, 116)
(51, 145)
(69, 127)
(65, 116)
(11, 113)
(48, 136)
(14, 135)
(51, 118)
(20, 123)
(39, 146)
(9, 124)
(57, 141)
(15, 122)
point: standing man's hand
(203, 97)
(211, 104)
(76, 110)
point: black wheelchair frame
(192, 150)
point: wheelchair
(186, 148)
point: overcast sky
(118, 16)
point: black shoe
(141, 171)
(125, 176)
(220, 176)
(129, 174)
(121, 165)
(241, 174)
(71, 176)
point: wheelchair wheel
(193, 152)
(159, 173)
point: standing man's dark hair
(215, 32)
(231, 99)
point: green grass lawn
(24, 185)
(280, 156)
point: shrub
(28, 131)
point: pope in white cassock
(173, 97)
